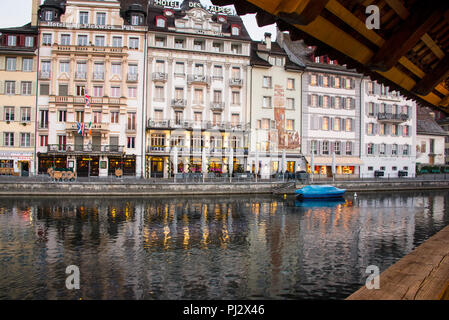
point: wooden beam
(301, 13)
(432, 45)
(410, 32)
(433, 78)
(399, 8)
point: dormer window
(221, 19)
(160, 22)
(136, 20)
(168, 13)
(48, 15)
(235, 30)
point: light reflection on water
(208, 248)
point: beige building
(18, 65)
(91, 50)
(275, 111)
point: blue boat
(320, 192)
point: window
(117, 68)
(27, 64)
(394, 168)
(79, 116)
(12, 41)
(8, 139)
(279, 62)
(394, 149)
(62, 115)
(235, 119)
(337, 102)
(115, 92)
(235, 97)
(44, 89)
(115, 116)
(325, 81)
(80, 90)
(99, 41)
(236, 48)
(406, 131)
(337, 147)
(337, 82)
(198, 117)
(349, 103)
(313, 80)
(267, 102)
(217, 47)
(217, 96)
(82, 40)
(290, 103)
(81, 68)
(159, 93)
(179, 94)
(348, 148)
(26, 88)
(136, 20)
(98, 91)
(235, 73)
(382, 129)
(101, 18)
(179, 43)
(370, 150)
(348, 125)
(314, 100)
(394, 129)
(117, 42)
(96, 116)
(160, 42)
(337, 122)
(179, 68)
(134, 43)
(266, 82)
(46, 39)
(235, 30)
(325, 147)
(382, 148)
(160, 66)
(64, 66)
(10, 87)
(370, 131)
(25, 114)
(48, 15)
(218, 72)
(370, 168)
(325, 101)
(198, 45)
(370, 87)
(132, 92)
(62, 142)
(198, 96)
(290, 124)
(9, 113)
(290, 84)
(371, 109)
(160, 22)
(43, 140)
(179, 117)
(11, 64)
(325, 124)
(314, 147)
(405, 151)
(84, 17)
(65, 39)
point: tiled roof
(426, 124)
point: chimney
(267, 36)
(34, 9)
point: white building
(388, 133)
(198, 65)
(275, 111)
(430, 139)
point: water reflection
(208, 248)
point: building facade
(388, 133)
(90, 98)
(430, 139)
(275, 111)
(197, 99)
(18, 66)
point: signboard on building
(173, 4)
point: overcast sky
(14, 13)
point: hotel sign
(177, 5)
(90, 26)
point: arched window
(161, 22)
(235, 30)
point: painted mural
(285, 139)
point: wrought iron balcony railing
(160, 76)
(235, 82)
(67, 148)
(196, 125)
(392, 117)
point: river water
(226, 247)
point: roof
(27, 28)
(409, 52)
(276, 49)
(426, 124)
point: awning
(339, 161)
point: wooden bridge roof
(408, 53)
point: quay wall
(142, 188)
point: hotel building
(275, 112)
(197, 98)
(18, 66)
(388, 133)
(94, 49)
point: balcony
(98, 76)
(80, 75)
(132, 77)
(87, 148)
(217, 106)
(198, 79)
(235, 82)
(160, 76)
(82, 100)
(191, 125)
(392, 117)
(44, 75)
(88, 49)
(178, 103)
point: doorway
(83, 165)
(157, 167)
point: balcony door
(79, 141)
(96, 143)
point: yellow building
(18, 77)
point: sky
(15, 13)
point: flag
(90, 128)
(80, 128)
(87, 98)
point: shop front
(87, 166)
(16, 163)
(344, 166)
(46, 162)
